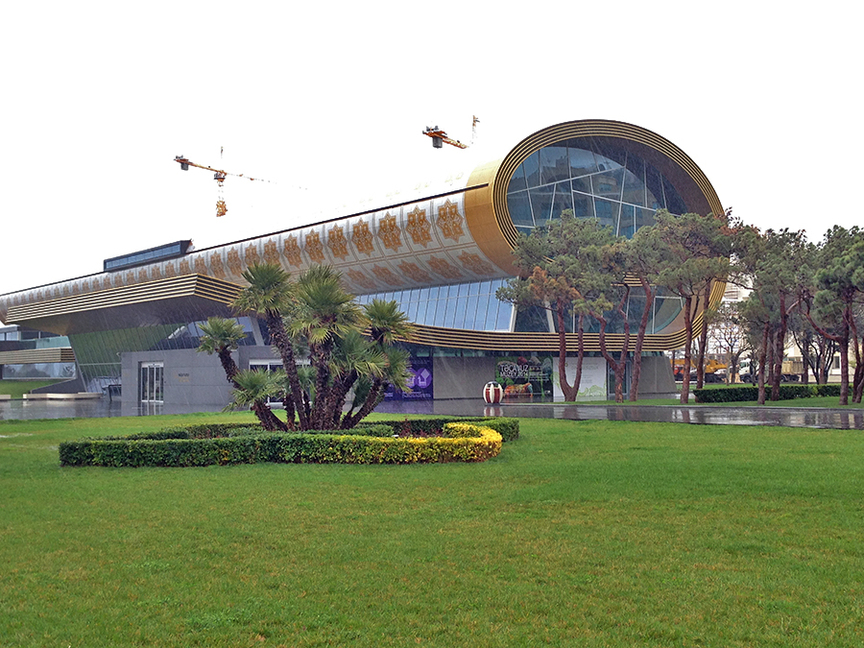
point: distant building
(441, 254)
(27, 354)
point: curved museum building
(441, 255)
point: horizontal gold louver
(37, 356)
(154, 302)
(173, 287)
(534, 342)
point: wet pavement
(839, 419)
(834, 418)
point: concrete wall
(461, 377)
(465, 377)
(656, 379)
(189, 377)
(192, 378)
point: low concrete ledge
(5, 397)
(78, 396)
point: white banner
(592, 387)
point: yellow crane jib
(439, 138)
(218, 175)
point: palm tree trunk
(286, 350)
(372, 399)
(338, 395)
(228, 365)
(319, 355)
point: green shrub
(457, 441)
(750, 393)
(508, 428)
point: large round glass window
(592, 179)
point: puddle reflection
(852, 419)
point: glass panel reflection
(608, 185)
(554, 164)
(541, 204)
(583, 206)
(594, 169)
(563, 199)
(520, 209)
(581, 162)
(532, 170)
(607, 212)
(517, 182)
(626, 225)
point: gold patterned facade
(463, 233)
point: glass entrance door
(151, 382)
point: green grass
(579, 534)
(17, 388)
(817, 401)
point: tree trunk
(843, 340)
(777, 363)
(338, 395)
(844, 370)
(569, 392)
(688, 343)
(763, 355)
(228, 365)
(858, 375)
(269, 421)
(376, 394)
(640, 339)
(805, 375)
(276, 327)
(703, 345)
(619, 366)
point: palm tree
(270, 295)
(353, 358)
(253, 389)
(325, 312)
(387, 324)
(369, 390)
(222, 336)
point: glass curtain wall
(98, 352)
(665, 308)
(592, 180)
(471, 306)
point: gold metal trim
(129, 305)
(37, 356)
(670, 160)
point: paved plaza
(835, 418)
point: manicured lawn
(579, 534)
(816, 401)
(17, 388)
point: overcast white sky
(330, 101)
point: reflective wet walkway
(843, 419)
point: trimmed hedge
(750, 393)
(508, 428)
(458, 441)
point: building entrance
(151, 382)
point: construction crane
(219, 176)
(439, 137)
